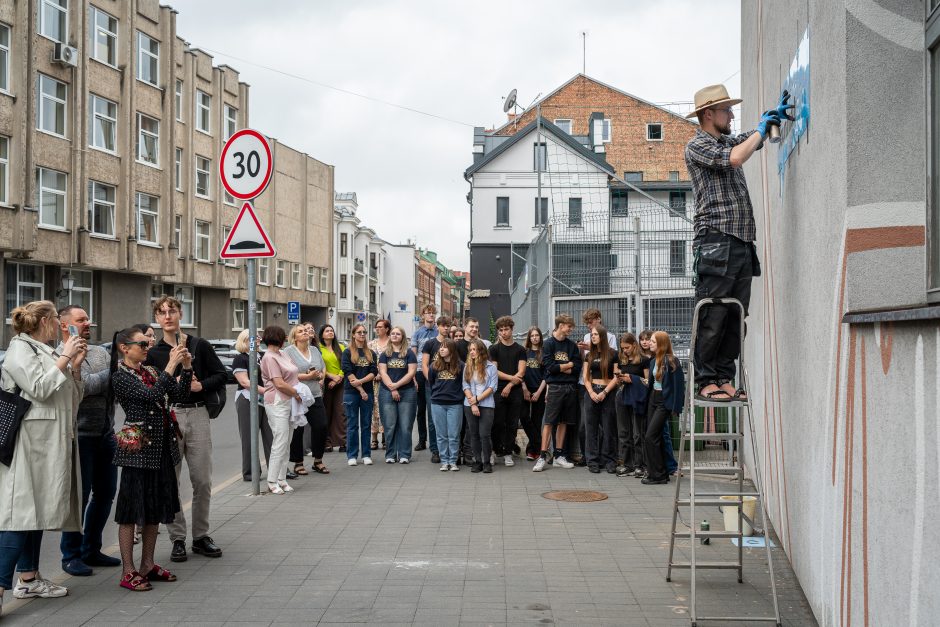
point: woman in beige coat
(41, 488)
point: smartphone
(73, 330)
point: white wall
(400, 286)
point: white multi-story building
(360, 269)
(401, 295)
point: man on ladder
(725, 258)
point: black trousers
(532, 413)
(480, 429)
(600, 428)
(631, 429)
(506, 421)
(724, 266)
(243, 413)
(655, 456)
(423, 413)
(318, 424)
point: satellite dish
(510, 101)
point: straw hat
(710, 96)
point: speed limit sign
(246, 164)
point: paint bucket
(730, 513)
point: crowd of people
(603, 402)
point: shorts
(561, 404)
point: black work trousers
(724, 266)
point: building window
(178, 170)
(4, 58)
(232, 263)
(539, 157)
(564, 125)
(673, 175)
(372, 261)
(312, 276)
(633, 177)
(231, 123)
(295, 276)
(618, 203)
(203, 167)
(148, 140)
(148, 59)
(51, 109)
(280, 274)
(203, 108)
(677, 258)
(4, 170)
(178, 101)
(186, 297)
(502, 211)
(103, 129)
(677, 201)
(52, 200)
(203, 240)
(24, 284)
(101, 208)
(104, 36)
(574, 212)
(238, 314)
(654, 132)
(324, 280)
(372, 302)
(178, 233)
(148, 218)
(343, 245)
(54, 19)
(227, 198)
(342, 286)
(264, 271)
(606, 131)
(541, 211)
(81, 292)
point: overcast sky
(454, 60)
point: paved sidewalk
(396, 544)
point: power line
(339, 89)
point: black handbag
(12, 409)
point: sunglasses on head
(143, 344)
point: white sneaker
(404, 460)
(492, 459)
(508, 460)
(38, 587)
(561, 462)
(454, 467)
(366, 461)
(540, 465)
(389, 460)
(352, 462)
(445, 467)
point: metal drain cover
(575, 496)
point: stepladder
(736, 493)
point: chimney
(596, 132)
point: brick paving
(410, 545)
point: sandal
(715, 395)
(740, 395)
(300, 469)
(274, 488)
(374, 445)
(159, 573)
(134, 581)
(320, 467)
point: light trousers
(279, 420)
(196, 450)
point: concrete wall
(846, 414)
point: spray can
(705, 526)
(774, 134)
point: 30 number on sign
(246, 164)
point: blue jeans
(19, 552)
(358, 421)
(397, 418)
(432, 429)
(99, 483)
(447, 421)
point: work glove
(783, 107)
(768, 119)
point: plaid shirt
(721, 198)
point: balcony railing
(360, 266)
(373, 272)
(358, 304)
(373, 308)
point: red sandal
(159, 573)
(136, 582)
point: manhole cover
(575, 496)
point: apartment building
(110, 129)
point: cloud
(453, 59)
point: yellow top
(331, 359)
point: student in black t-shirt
(445, 378)
(533, 393)
(599, 375)
(631, 424)
(397, 396)
(428, 353)
(510, 361)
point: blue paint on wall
(797, 83)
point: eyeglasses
(359, 332)
(727, 110)
(166, 313)
(144, 344)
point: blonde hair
(476, 367)
(28, 317)
(404, 343)
(241, 343)
(292, 334)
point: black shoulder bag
(12, 409)
(214, 399)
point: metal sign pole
(253, 376)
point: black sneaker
(179, 552)
(648, 481)
(205, 546)
(594, 468)
(611, 469)
(421, 446)
(476, 467)
(292, 475)
(580, 462)
(435, 458)
(487, 467)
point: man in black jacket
(196, 446)
(561, 363)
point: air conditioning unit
(66, 55)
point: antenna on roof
(510, 101)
